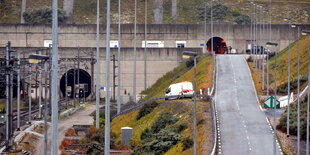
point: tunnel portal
(219, 45)
(84, 81)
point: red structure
(219, 45)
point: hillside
(180, 109)
(85, 11)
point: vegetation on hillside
(85, 11)
(43, 16)
(166, 126)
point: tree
(158, 11)
(43, 16)
(242, 19)
(174, 10)
(68, 8)
(220, 11)
(23, 9)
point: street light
(272, 44)
(288, 78)
(304, 32)
(298, 89)
(38, 58)
(188, 54)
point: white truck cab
(183, 88)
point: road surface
(244, 129)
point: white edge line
(216, 85)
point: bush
(146, 109)
(220, 11)
(242, 19)
(101, 119)
(293, 119)
(146, 134)
(179, 128)
(163, 120)
(43, 16)
(163, 141)
(283, 88)
(187, 143)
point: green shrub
(293, 85)
(242, 19)
(146, 134)
(163, 120)
(220, 11)
(146, 109)
(162, 142)
(43, 16)
(187, 143)
(179, 128)
(293, 119)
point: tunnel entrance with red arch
(219, 45)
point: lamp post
(187, 54)
(307, 141)
(36, 58)
(288, 78)
(272, 44)
(97, 64)
(107, 99)
(54, 80)
(298, 90)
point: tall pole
(18, 91)
(195, 109)
(40, 93)
(288, 82)
(298, 95)
(254, 36)
(251, 34)
(308, 106)
(134, 55)
(98, 68)
(54, 89)
(267, 66)
(107, 99)
(45, 109)
(24, 3)
(29, 96)
(66, 94)
(275, 105)
(78, 76)
(114, 77)
(7, 99)
(119, 60)
(145, 42)
(212, 29)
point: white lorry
(183, 88)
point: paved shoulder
(243, 126)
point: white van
(183, 88)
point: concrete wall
(84, 35)
(159, 62)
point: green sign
(269, 103)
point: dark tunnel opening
(219, 45)
(84, 81)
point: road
(244, 129)
(82, 117)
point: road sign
(269, 103)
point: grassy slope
(282, 61)
(85, 11)
(181, 109)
